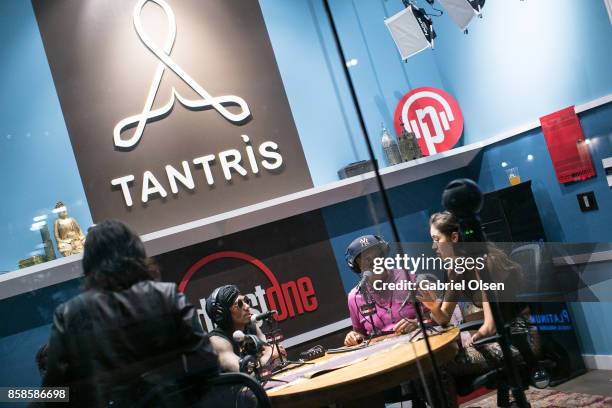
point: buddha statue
(70, 239)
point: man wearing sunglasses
(230, 311)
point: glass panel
(243, 152)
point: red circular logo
(433, 116)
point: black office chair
(533, 370)
(539, 272)
(223, 390)
(246, 382)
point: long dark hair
(499, 263)
(115, 258)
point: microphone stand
(425, 326)
(368, 309)
(470, 230)
(276, 337)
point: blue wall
(522, 60)
(36, 160)
(563, 221)
(593, 322)
(315, 85)
(558, 206)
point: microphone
(238, 336)
(426, 277)
(369, 307)
(364, 277)
(262, 316)
(252, 343)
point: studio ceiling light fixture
(411, 30)
(462, 12)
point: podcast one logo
(233, 162)
(289, 299)
(433, 116)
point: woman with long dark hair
(127, 332)
(471, 360)
(444, 230)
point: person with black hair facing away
(389, 315)
(230, 311)
(126, 333)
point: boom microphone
(364, 277)
(263, 316)
(238, 336)
(369, 307)
(411, 297)
(249, 340)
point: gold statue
(70, 239)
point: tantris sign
(173, 115)
(433, 116)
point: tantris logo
(433, 116)
(207, 101)
(231, 161)
(175, 109)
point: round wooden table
(375, 372)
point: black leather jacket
(111, 348)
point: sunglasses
(241, 302)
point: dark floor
(595, 382)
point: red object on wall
(433, 116)
(567, 147)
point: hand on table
(428, 298)
(405, 326)
(353, 338)
(276, 354)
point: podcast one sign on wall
(433, 116)
(175, 109)
(277, 269)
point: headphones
(216, 311)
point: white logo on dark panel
(207, 101)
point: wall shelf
(180, 236)
(65, 269)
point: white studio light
(411, 30)
(463, 11)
